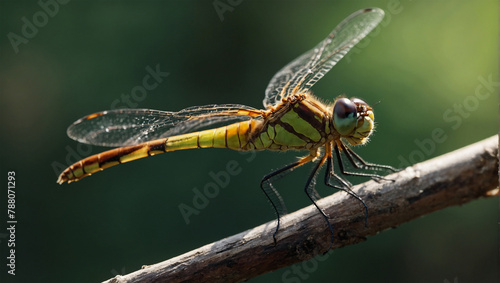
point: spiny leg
(272, 194)
(345, 185)
(311, 189)
(311, 182)
(355, 159)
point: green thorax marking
(295, 125)
(301, 125)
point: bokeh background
(423, 64)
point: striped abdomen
(234, 136)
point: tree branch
(451, 179)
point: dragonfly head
(353, 119)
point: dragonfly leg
(310, 191)
(344, 184)
(272, 194)
(365, 164)
(359, 163)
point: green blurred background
(426, 59)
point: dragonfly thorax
(353, 119)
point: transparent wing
(302, 73)
(125, 127)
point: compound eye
(345, 116)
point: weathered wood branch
(451, 179)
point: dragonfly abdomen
(234, 136)
(103, 160)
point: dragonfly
(293, 119)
